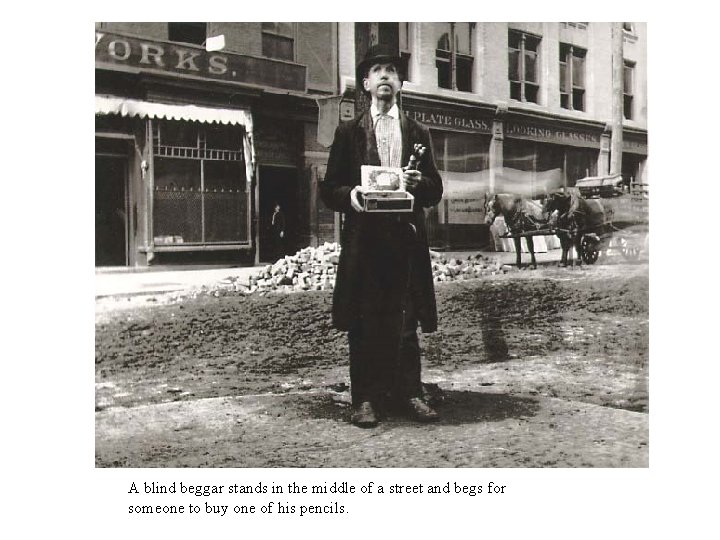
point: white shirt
(388, 135)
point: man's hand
(411, 179)
(356, 201)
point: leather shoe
(364, 415)
(421, 411)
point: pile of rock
(473, 266)
(315, 268)
(310, 269)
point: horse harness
(521, 221)
(569, 218)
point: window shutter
(316, 49)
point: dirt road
(543, 368)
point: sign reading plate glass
(449, 120)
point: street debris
(315, 269)
(310, 269)
(267, 383)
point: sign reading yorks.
(117, 51)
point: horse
(575, 216)
(521, 216)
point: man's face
(383, 81)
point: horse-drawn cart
(599, 215)
(625, 224)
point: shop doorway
(277, 185)
(111, 211)
(630, 168)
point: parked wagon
(625, 227)
(600, 215)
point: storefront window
(463, 162)
(533, 169)
(178, 204)
(200, 189)
(223, 137)
(579, 163)
(224, 195)
(631, 168)
(182, 134)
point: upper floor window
(572, 77)
(523, 69)
(628, 89)
(278, 40)
(454, 56)
(404, 41)
(188, 32)
(395, 35)
(578, 25)
(629, 35)
(385, 33)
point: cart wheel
(590, 250)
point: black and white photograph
(258, 306)
(393, 279)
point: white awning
(193, 113)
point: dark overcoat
(383, 254)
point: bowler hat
(381, 54)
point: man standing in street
(384, 285)
(277, 228)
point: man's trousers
(385, 358)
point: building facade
(518, 107)
(194, 147)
